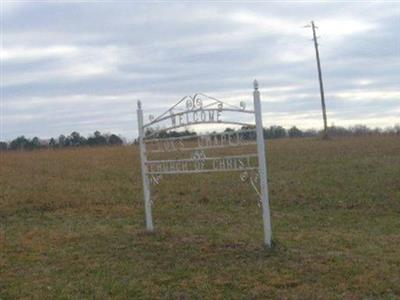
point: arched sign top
(196, 150)
(195, 110)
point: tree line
(272, 132)
(333, 131)
(276, 132)
(72, 140)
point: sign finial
(139, 104)
(255, 83)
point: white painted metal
(145, 178)
(253, 179)
(262, 166)
(206, 158)
(216, 101)
(196, 111)
(189, 137)
(199, 163)
(202, 141)
(197, 123)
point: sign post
(202, 109)
(145, 178)
(262, 165)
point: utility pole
(321, 85)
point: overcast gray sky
(81, 65)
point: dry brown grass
(72, 226)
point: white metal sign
(202, 109)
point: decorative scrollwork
(194, 103)
(254, 180)
(199, 156)
(189, 104)
(155, 179)
(199, 103)
(244, 175)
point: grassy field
(72, 226)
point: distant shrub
(295, 132)
(275, 132)
(3, 146)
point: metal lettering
(180, 119)
(211, 115)
(226, 139)
(195, 116)
(229, 164)
(200, 163)
(241, 164)
(203, 116)
(218, 115)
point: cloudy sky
(81, 65)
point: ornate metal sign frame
(196, 112)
